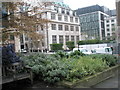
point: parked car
(83, 50)
(103, 50)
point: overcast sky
(75, 4)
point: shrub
(76, 54)
(46, 67)
(111, 60)
(52, 69)
(61, 54)
(56, 47)
(84, 66)
(95, 41)
(70, 45)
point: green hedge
(93, 41)
(56, 47)
(70, 45)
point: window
(63, 11)
(72, 38)
(77, 28)
(37, 28)
(108, 25)
(26, 38)
(11, 37)
(53, 26)
(54, 39)
(66, 18)
(67, 12)
(71, 19)
(66, 28)
(42, 27)
(60, 39)
(77, 38)
(108, 29)
(76, 20)
(107, 21)
(60, 27)
(113, 29)
(108, 34)
(56, 9)
(113, 25)
(60, 17)
(66, 38)
(112, 20)
(72, 28)
(53, 16)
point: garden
(67, 67)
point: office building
(64, 26)
(110, 28)
(92, 21)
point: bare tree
(22, 18)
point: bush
(84, 66)
(70, 45)
(46, 67)
(111, 60)
(61, 54)
(76, 54)
(95, 41)
(52, 69)
(56, 47)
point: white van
(83, 50)
(103, 50)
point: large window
(108, 25)
(76, 20)
(112, 25)
(66, 28)
(66, 18)
(107, 21)
(53, 26)
(72, 28)
(71, 19)
(77, 28)
(77, 38)
(112, 20)
(60, 38)
(11, 37)
(60, 27)
(108, 34)
(54, 39)
(72, 38)
(63, 11)
(66, 38)
(53, 16)
(108, 29)
(60, 17)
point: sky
(75, 4)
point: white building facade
(110, 27)
(64, 25)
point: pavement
(109, 83)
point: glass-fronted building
(92, 21)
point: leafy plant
(58, 67)
(76, 54)
(56, 47)
(46, 67)
(70, 45)
(111, 60)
